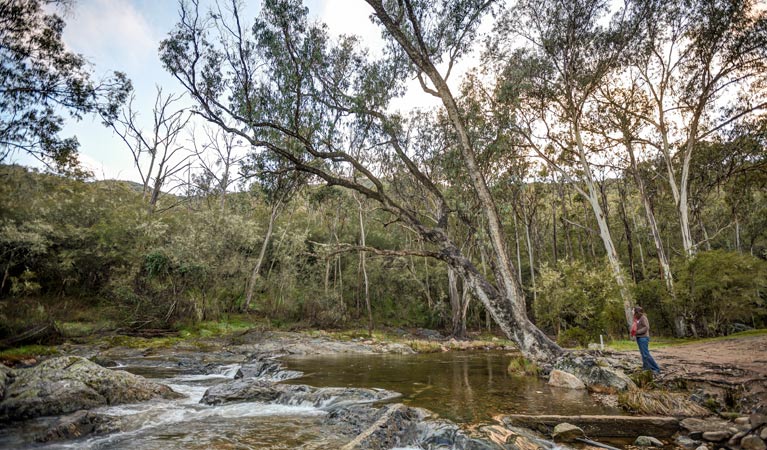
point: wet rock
(647, 441)
(752, 442)
(565, 432)
(6, 376)
(702, 447)
(716, 436)
(696, 435)
(686, 442)
(79, 424)
(742, 421)
(558, 378)
(595, 374)
(291, 394)
(267, 369)
(763, 434)
(67, 384)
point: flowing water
(465, 387)
(468, 388)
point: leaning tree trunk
(506, 302)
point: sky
(124, 35)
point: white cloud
(111, 33)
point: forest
(596, 157)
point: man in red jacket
(641, 330)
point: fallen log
(600, 426)
(44, 333)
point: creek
(469, 388)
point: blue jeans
(647, 362)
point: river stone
(565, 432)
(735, 439)
(266, 369)
(757, 420)
(79, 424)
(763, 434)
(752, 442)
(561, 379)
(716, 436)
(291, 394)
(702, 447)
(686, 442)
(6, 376)
(594, 373)
(70, 383)
(647, 441)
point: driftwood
(45, 333)
(600, 426)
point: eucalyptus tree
(40, 79)
(550, 84)
(704, 70)
(286, 87)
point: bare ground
(737, 365)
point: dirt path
(738, 364)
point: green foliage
(520, 365)
(574, 337)
(576, 296)
(40, 78)
(718, 288)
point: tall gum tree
(551, 84)
(704, 70)
(284, 86)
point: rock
(565, 432)
(6, 376)
(735, 439)
(763, 434)
(561, 379)
(267, 369)
(79, 424)
(595, 374)
(716, 436)
(752, 442)
(742, 421)
(686, 442)
(291, 394)
(696, 435)
(67, 384)
(647, 441)
(702, 425)
(757, 420)
(702, 447)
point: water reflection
(463, 387)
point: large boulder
(561, 379)
(253, 390)
(597, 374)
(67, 384)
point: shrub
(574, 295)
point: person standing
(641, 330)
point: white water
(164, 417)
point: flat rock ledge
(253, 390)
(71, 383)
(599, 426)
